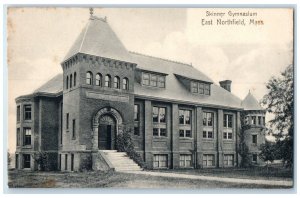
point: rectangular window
(27, 112)
(27, 136)
(67, 121)
(194, 87)
(204, 134)
(228, 160)
(72, 162)
(228, 121)
(207, 119)
(159, 114)
(160, 132)
(185, 123)
(210, 135)
(201, 88)
(146, 79)
(74, 129)
(206, 89)
(18, 136)
(186, 161)
(160, 161)
(161, 81)
(227, 135)
(18, 113)
(136, 130)
(254, 139)
(26, 160)
(253, 120)
(208, 160)
(153, 80)
(66, 161)
(60, 162)
(259, 120)
(136, 112)
(17, 161)
(155, 132)
(254, 158)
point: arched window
(71, 79)
(89, 78)
(125, 83)
(74, 79)
(117, 82)
(67, 82)
(98, 79)
(107, 81)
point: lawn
(28, 179)
(273, 173)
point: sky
(39, 38)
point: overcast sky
(39, 38)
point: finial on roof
(91, 11)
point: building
(177, 116)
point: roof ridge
(87, 27)
(164, 59)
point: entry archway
(107, 121)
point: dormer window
(200, 88)
(153, 80)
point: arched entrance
(107, 133)
(107, 123)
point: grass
(273, 173)
(28, 179)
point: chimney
(226, 84)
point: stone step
(128, 169)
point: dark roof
(250, 103)
(175, 90)
(98, 39)
(53, 86)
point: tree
(268, 152)
(279, 101)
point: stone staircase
(120, 161)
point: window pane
(89, 78)
(188, 133)
(201, 88)
(209, 119)
(98, 80)
(162, 115)
(187, 117)
(181, 133)
(229, 135)
(146, 79)
(229, 121)
(136, 112)
(153, 80)
(225, 135)
(207, 90)
(204, 134)
(18, 113)
(136, 131)
(163, 132)
(155, 131)
(225, 120)
(254, 139)
(107, 81)
(161, 80)
(194, 87)
(125, 84)
(181, 117)
(155, 114)
(27, 112)
(204, 119)
(210, 134)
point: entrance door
(106, 133)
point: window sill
(186, 138)
(27, 146)
(160, 137)
(208, 139)
(228, 140)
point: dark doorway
(26, 161)
(106, 133)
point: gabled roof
(175, 90)
(53, 86)
(98, 39)
(250, 103)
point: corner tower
(98, 101)
(254, 127)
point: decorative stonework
(96, 121)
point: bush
(42, 159)
(125, 144)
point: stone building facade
(177, 116)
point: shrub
(41, 158)
(125, 144)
